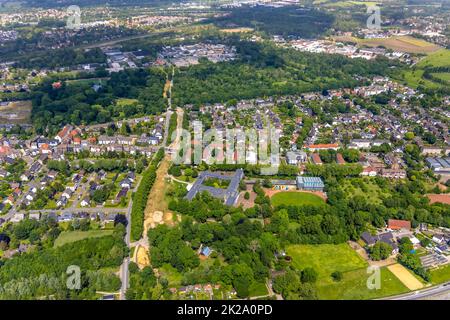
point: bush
(337, 276)
(380, 251)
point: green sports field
(328, 258)
(292, 198)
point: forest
(286, 21)
(263, 70)
(78, 103)
(41, 272)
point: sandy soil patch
(141, 257)
(156, 211)
(236, 30)
(405, 276)
(247, 203)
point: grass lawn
(327, 258)
(442, 76)
(413, 77)
(72, 236)
(171, 274)
(258, 289)
(363, 187)
(296, 199)
(439, 58)
(354, 286)
(440, 275)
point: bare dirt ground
(156, 206)
(270, 193)
(405, 276)
(156, 211)
(141, 257)
(247, 203)
(18, 112)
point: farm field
(402, 43)
(17, 112)
(327, 258)
(72, 236)
(345, 4)
(296, 199)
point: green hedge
(141, 196)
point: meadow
(72, 236)
(328, 258)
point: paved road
(124, 272)
(72, 210)
(438, 293)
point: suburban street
(124, 272)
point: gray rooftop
(229, 195)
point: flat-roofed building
(310, 183)
(439, 165)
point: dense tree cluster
(263, 70)
(78, 103)
(141, 195)
(42, 273)
(285, 21)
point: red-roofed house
(63, 133)
(45, 148)
(57, 85)
(340, 159)
(316, 159)
(369, 171)
(394, 224)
